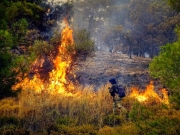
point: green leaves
(84, 46)
(16, 16)
(166, 66)
(20, 28)
(175, 4)
(6, 40)
(41, 48)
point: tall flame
(149, 93)
(57, 82)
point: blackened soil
(102, 66)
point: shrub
(41, 48)
(129, 128)
(84, 46)
(112, 119)
(107, 131)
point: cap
(112, 81)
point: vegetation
(44, 113)
(147, 26)
(16, 18)
(135, 27)
(165, 66)
(84, 46)
(175, 4)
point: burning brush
(150, 94)
(51, 75)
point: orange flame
(57, 82)
(149, 93)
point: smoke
(56, 12)
(116, 23)
(97, 17)
(100, 18)
(58, 1)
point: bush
(155, 119)
(42, 48)
(107, 131)
(129, 128)
(12, 125)
(84, 46)
(77, 130)
(112, 119)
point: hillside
(103, 65)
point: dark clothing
(116, 93)
(113, 90)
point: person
(114, 92)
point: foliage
(41, 48)
(175, 4)
(19, 29)
(175, 99)
(139, 113)
(107, 131)
(16, 18)
(86, 113)
(84, 46)
(149, 24)
(155, 119)
(6, 39)
(114, 119)
(165, 66)
(81, 130)
(6, 78)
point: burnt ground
(102, 66)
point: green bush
(113, 119)
(155, 119)
(8, 121)
(84, 46)
(139, 112)
(42, 48)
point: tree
(166, 67)
(175, 4)
(16, 17)
(84, 46)
(89, 10)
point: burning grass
(85, 107)
(44, 111)
(149, 94)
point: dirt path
(97, 70)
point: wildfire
(57, 81)
(149, 93)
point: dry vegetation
(85, 112)
(42, 110)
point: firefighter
(114, 92)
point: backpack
(121, 91)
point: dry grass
(40, 110)
(85, 112)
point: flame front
(57, 81)
(149, 93)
